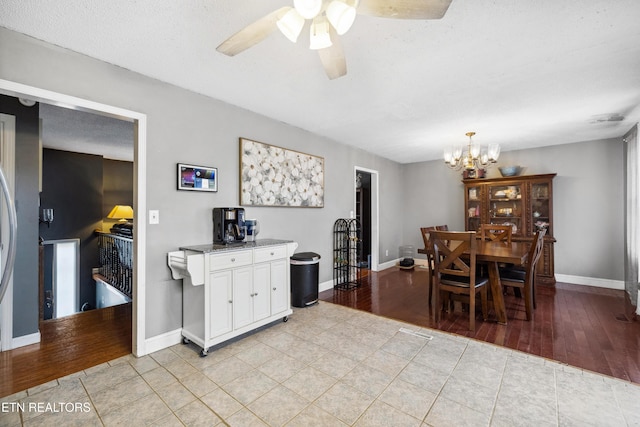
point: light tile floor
(331, 366)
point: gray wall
(588, 202)
(191, 128)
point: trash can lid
(305, 256)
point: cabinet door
(220, 303)
(242, 297)
(279, 290)
(473, 205)
(261, 295)
(505, 206)
(540, 207)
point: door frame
(375, 212)
(139, 186)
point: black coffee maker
(228, 225)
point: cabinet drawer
(229, 260)
(269, 253)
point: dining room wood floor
(582, 326)
(578, 325)
(67, 345)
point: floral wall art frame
(276, 176)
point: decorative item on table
(510, 170)
(474, 160)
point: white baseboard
(329, 283)
(388, 264)
(25, 340)
(162, 341)
(325, 286)
(591, 281)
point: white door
(7, 162)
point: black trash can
(304, 278)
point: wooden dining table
(493, 253)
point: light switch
(154, 217)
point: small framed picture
(197, 178)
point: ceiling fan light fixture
(308, 9)
(341, 16)
(291, 25)
(320, 38)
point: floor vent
(416, 333)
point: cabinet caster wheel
(285, 319)
(186, 341)
(203, 353)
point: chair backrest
(537, 246)
(496, 233)
(425, 235)
(454, 252)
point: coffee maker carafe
(228, 225)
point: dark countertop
(210, 247)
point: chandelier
(475, 160)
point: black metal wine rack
(347, 254)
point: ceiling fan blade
(332, 57)
(404, 9)
(252, 34)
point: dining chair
(495, 232)
(424, 231)
(525, 277)
(454, 259)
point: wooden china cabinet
(524, 202)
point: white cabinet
(230, 292)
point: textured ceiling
(519, 73)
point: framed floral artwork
(276, 176)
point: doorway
(139, 120)
(366, 212)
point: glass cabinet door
(474, 208)
(540, 207)
(505, 206)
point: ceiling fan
(329, 19)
